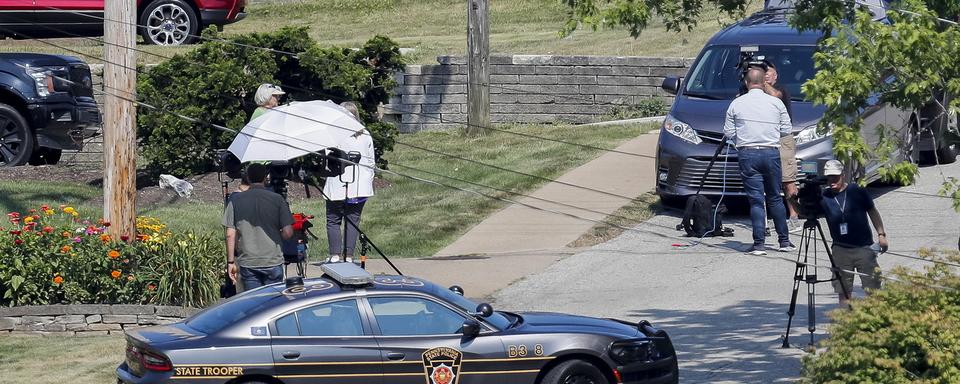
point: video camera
(309, 169)
(811, 188)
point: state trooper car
(353, 327)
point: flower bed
(56, 256)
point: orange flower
(115, 274)
(151, 287)
(105, 238)
(58, 279)
(48, 229)
(65, 234)
(113, 254)
(129, 277)
(65, 249)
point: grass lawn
(81, 360)
(407, 218)
(437, 27)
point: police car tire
(573, 368)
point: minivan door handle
(395, 356)
(291, 355)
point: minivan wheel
(949, 149)
(910, 151)
(16, 140)
(169, 22)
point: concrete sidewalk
(518, 240)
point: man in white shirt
(755, 122)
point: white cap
(833, 168)
(265, 91)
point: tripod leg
(798, 275)
(811, 305)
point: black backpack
(699, 221)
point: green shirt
(258, 215)
(258, 112)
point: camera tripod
(807, 273)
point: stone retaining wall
(530, 89)
(86, 319)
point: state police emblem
(442, 365)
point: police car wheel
(575, 372)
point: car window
(407, 316)
(240, 307)
(716, 76)
(340, 318)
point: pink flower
(77, 239)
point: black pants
(336, 227)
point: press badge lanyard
(843, 214)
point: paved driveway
(725, 310)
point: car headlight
(681, 130)
(43, 79)
(626, 352)
(810, 134)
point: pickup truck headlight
(810, 134)
(681, 130)
(626, 352)
(43, 79)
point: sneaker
(795, 225)
(756, 250)
(348, 259)
(334, 259)
(787, 247)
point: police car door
(325, 343)
(421, 341)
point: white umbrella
(290, 131)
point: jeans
(336, 210)
(257, 277)
(761, 174)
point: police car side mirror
(484, 310)
(470, 328)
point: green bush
(217, 82)
(648, 107)
(904, 333)
(52, 255)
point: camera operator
(788, 148)
(348, 193)
(256, 222)
(755, 122)
(846, 207)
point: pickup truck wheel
(169, 22)
(16, 140)
(574, 372)
(949, 149)
(45, 156)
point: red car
(162, 22)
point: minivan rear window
(715, 75)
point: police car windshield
(715, 75)
(218, 317)
(497, 319)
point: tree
(920, 43)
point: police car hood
(564, 323)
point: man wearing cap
(755, 122)
(267, 97)
(846, 207)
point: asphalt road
(726, 311)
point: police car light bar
(347, 273)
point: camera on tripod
(811, 189)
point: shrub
(54, 256)
(217, 82)
(648, 107)
(905, 332)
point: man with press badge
(846, 208)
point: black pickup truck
(46, 106)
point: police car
(353, 327)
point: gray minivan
(694, 127)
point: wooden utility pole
(478, 68)
(119, 125)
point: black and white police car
(353, 327)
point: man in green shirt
(267, 97)
(257, 221)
